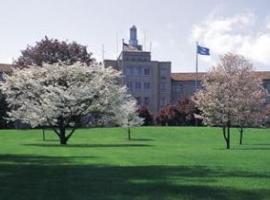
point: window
(138, 70)
(179, 88)
(162, 101)
(163, 73)
(146, 85)
(138, 100)
(163, 86)
(129, 71)
(146, 71)
(268, 87)
(146, 101)
(138, 85)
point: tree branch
(224, 133)
(54, 129)
(70, 134)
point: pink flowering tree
(231, 94)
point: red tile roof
(186, 76)
(265, 75)
(192, 76)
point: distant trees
(231, 95)
(146, 115)
(188, 111)
(53, 51)
(181, 113)
(266, 114)
(60, 96)
(4, 123)
(169, 115)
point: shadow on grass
(43, 160)
(252, 148)
(89, 145)
(243, 148)
(30, 177)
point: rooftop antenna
(116, 45)
(150, 46)
(144, 39)
(123, 41)
(102, 52)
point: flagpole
(196, 81)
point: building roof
(129, 47)
(189, 76)
(265, 75)
(6, 67)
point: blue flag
(203, 50)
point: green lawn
(159, 163)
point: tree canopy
(52, 51)
(61, 96)
(231, 93)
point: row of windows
(163, 101)
(268, 87)
(132, 58)
(178, 88)
(137, 71)
(138, 85)
(143, 101)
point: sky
(171, 26)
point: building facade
(151, 82)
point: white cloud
(240, 34)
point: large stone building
(151, 82)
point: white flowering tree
(129, 116)
(231, 95)
(59, 96)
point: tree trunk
(62, 136)
(43, 135)
(224, 133)
(241, 135)
(129, 134)
(228, 136)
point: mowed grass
(171, 163)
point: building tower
(147, 80)
(133, 36)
